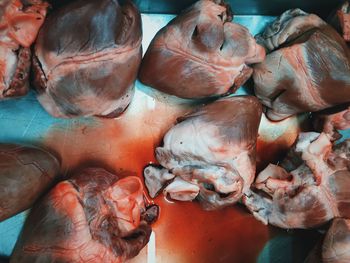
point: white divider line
(151, 249)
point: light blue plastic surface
(25, 121)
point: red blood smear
(184, 232)
(276, 138)
(270, 152)
(126, 143)
(100, 144)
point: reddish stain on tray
(184, 232)
(126, 143)
(272, 152)
(275, 139)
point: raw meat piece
(336, 245)
(211, 152)
(20, 22)
(156, 178)
(25, 174)
(200, 53)
(332, 120)
(182, 190)
(341, 20)
(312, 193)
(86, 58)
(307, 67)
(92, 217)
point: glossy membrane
(128, 143)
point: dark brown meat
(210, 153)
(93, 217)
(332, 120)
(200, 53)
(86, 58)
(341, 20)
(25, 174)
(309, 195)
(20, 22)
(307, 68)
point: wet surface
(184, 233)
